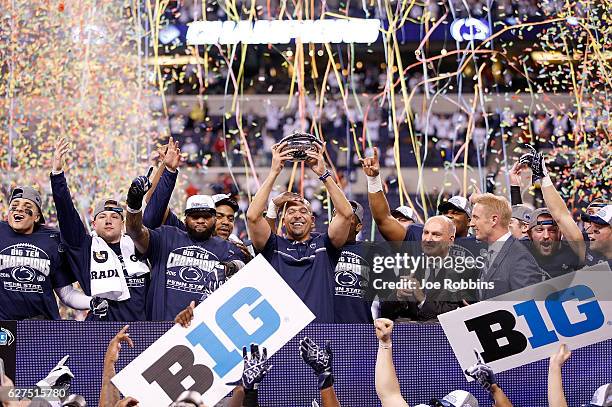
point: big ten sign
(529, 324)
(254, 306)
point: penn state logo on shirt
(346, 278)
(23, 274)
(187, 268)
(351, 275)
(23, 267)
(189, 273)
(101, 256)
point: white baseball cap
(406, 212)
(456, 202)
(602, 396)
(459, 398)
(602, 216)
(197, 203)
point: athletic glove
(535, 161)
(98, 306)
(481, 373)
(215, 279)
(60, 376)
(255, 367)
(320, 360)
(138, 189)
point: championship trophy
(301, 142)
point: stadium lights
(354, 30)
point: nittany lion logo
(100, 257)
(23, 274)
(190, 273)
(346, 278)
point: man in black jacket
(432, 288)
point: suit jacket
(436, 301)
(514, 267)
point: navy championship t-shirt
(352, 301)
(179, 267)
(308, 268)
(31, 267)
(77, 243)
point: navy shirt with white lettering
(352, 290)
(77, 243)
(31, 266)
(308, 268)
(179, 267)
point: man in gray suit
(510, 265)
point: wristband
(383, 346)
(546, 181)
(325, 175)
(130, 210)
(374, 184)
(271, 212)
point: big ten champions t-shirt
(31, 266)
(179, 267)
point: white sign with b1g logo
(254, 306)
(529, 324)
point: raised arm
(71, 227)
(157, 211)
(485, 377)
(387, 385)
(109, 394)
(341, 223)
(259, 228)
(556, 396)
(516, 197)
(389, 227)
(561, 215)
(133, 223)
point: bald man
(441, 263)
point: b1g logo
(516, 341)
(171, 380)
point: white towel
(106, 271)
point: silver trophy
(300, 143)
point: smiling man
(31, 265)
(186, 265)
(510, 266)
(105, 262)
(305, 262)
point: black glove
(232, 267)
(320, 360)
(255, 368)
(535, 161)
(138, 189)
(98, 306)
